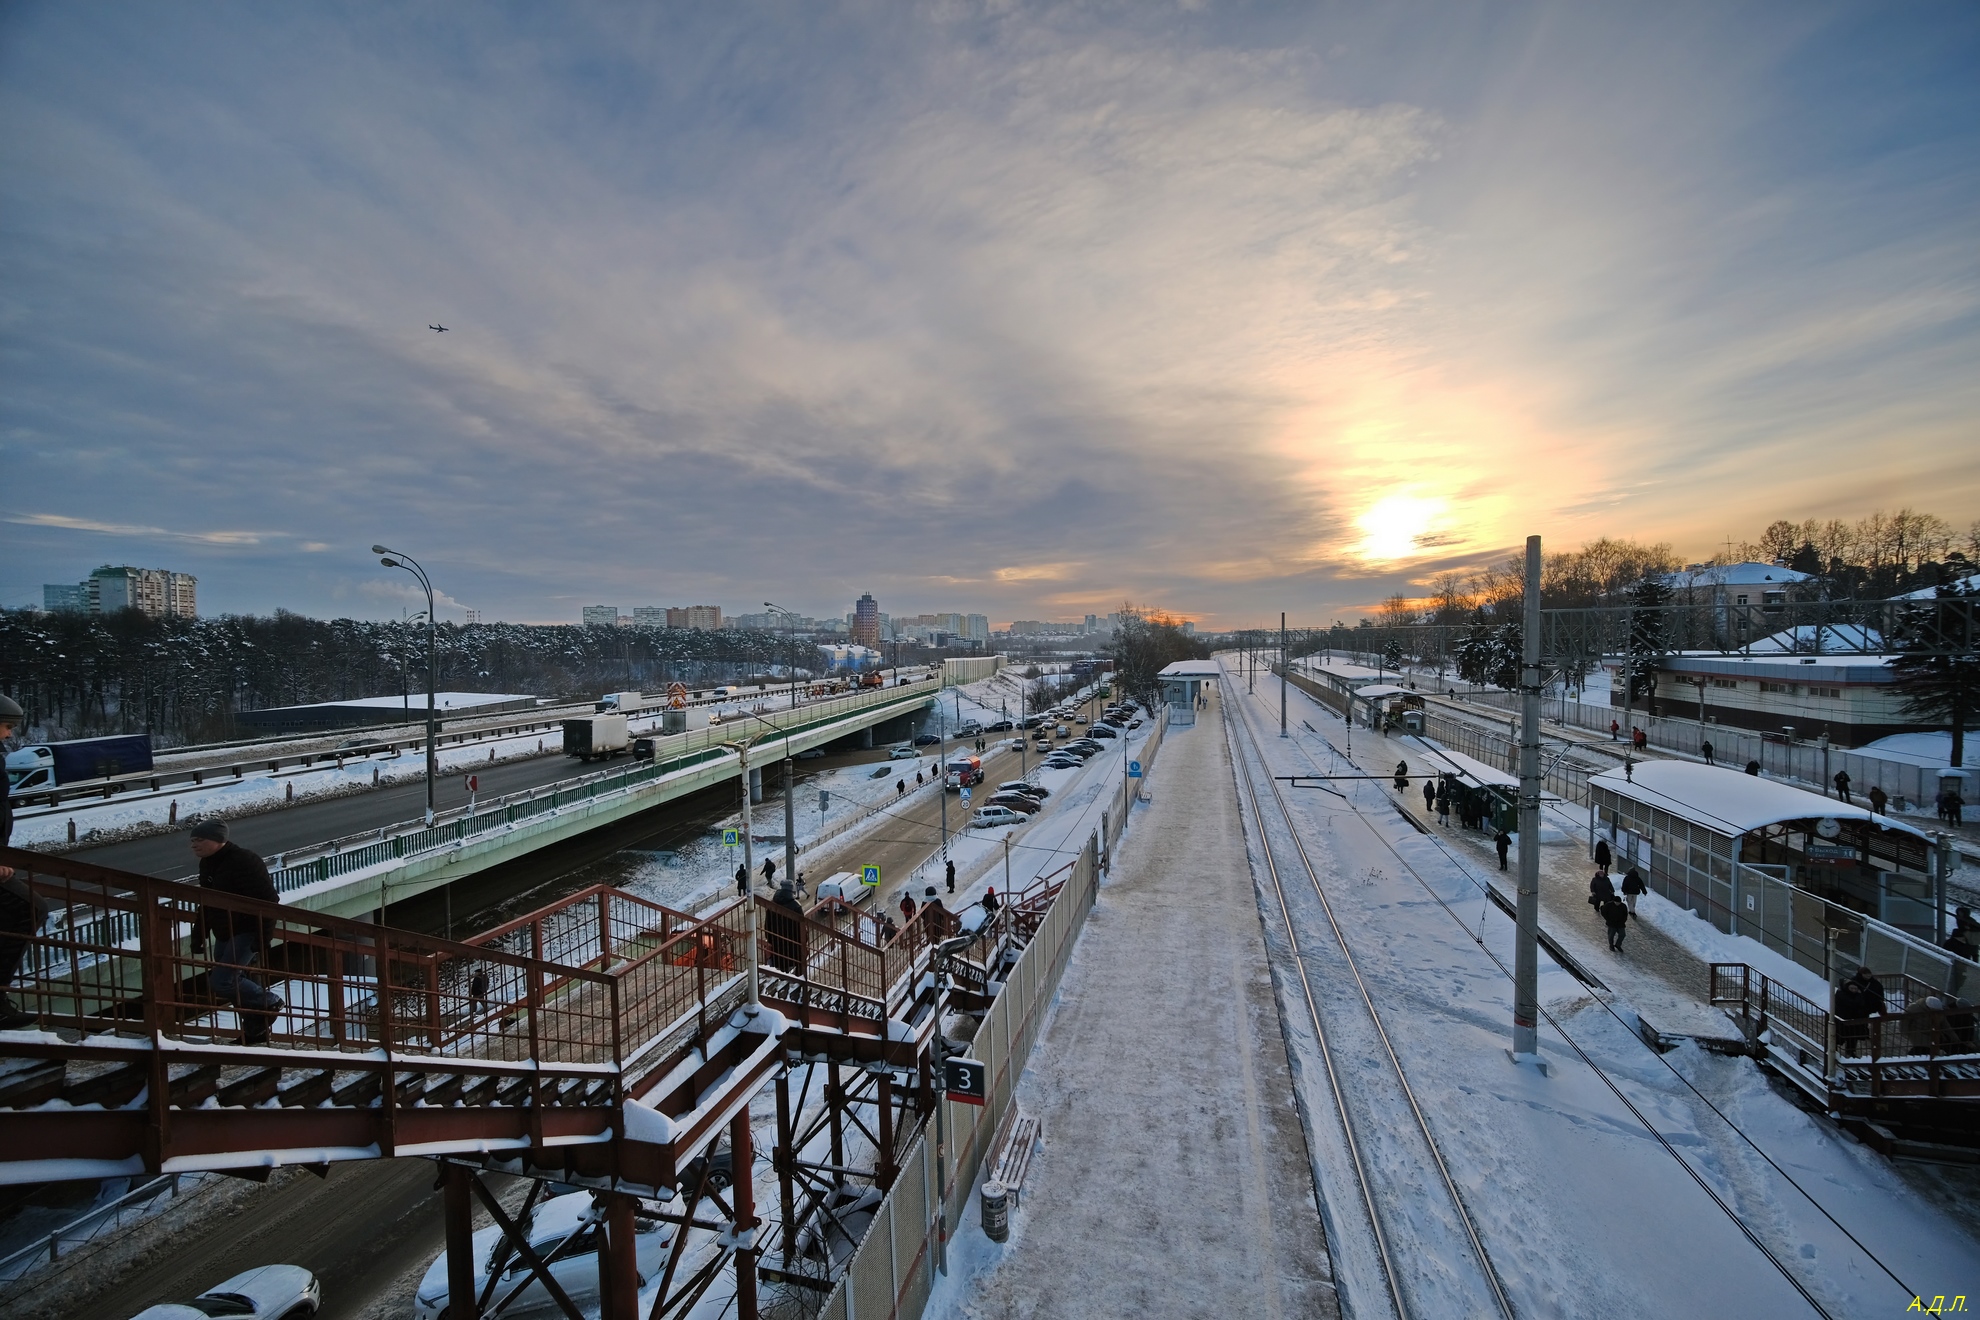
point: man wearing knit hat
(239, 937)
(18, 909)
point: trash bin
(996, 1211)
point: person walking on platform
(1444, 805)
(1503, 841)
(1429, 794)
(1602, 854)
(1878, 797)
(1842, 786)
(1615, 730)
(1615, 913)
(1402, 775)
(1600, 889)
(1706, 749)
(1633, 885)
(1851, 1031)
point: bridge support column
(742, 1158)
(618, 1261)
(457, 1204)
(866, 738)
(884, 1174)
(756, 783)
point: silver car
(267, 1292)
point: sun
(1393, 526)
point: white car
(905, 752)
(562, 1224)
(267, 1292)
(989, 818)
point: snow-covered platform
(1173, 1180)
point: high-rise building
(58, 596)
(866, 620)
(1092, 624)
(157, 592)
(649, 616)
(976, 627)
(701, 618)
(601, 616)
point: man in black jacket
(18, 914)
(238, 937)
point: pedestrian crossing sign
(870, 876)
(965, 793)
(731, 838)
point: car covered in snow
(563, 1232)
(267, 1292)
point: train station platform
(1173, 1178)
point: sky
(1018, 309)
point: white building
(158, 593)
(601, 616)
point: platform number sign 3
(967, 1081)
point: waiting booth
(1183, 683)
(1825, 883)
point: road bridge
(605, 1041)
(391, 862)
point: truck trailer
(596, 736)
(53, 765)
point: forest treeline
(182, 680)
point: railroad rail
(1394, 1208)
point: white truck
(596, 736)
(625, 703)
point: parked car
(904, 753)
(267, 1292)
(1103, 731)
(814, 753)
(1001, 726)
(561, 1225)
(1134, 723)
(968, 729)
(925, 740)
(1020, 802)
(1023, 786)
(989, 818)
(1062, 763)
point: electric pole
(1284, 674)
(1526, 959)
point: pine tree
(1937, 660)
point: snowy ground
(1207, 1208)
(1581, 1207)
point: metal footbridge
(605, 1041)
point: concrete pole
(1526, 956)
(749, 874)
(790, 818)
(742, 1159)
(1285, 677)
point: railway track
(1419, 1248)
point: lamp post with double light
(790, 645)
(398, 559)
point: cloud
(1185, 308)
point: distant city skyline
(1032, 310)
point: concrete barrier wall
(970, 669)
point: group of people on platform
(1615, 905)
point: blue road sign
(1134, 769)
(965, 793)
(870, 876)
(731, 838)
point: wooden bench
(1013, 1158)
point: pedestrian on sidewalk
(1706, 748)
(769, 872)
(1640, 739)
(1402, 775)
(1842, 785)
(950, 874)
(1429, 794)
(1504, 842)
(907, 907)
(900, 786)
(1615, 730)
(742, 880)
(478, 991)
(933, 900)
(1953, 803)
(1878, 797)
(1616, 915)
(238, 937)
(1633, 885)
(1602, 855)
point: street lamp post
(398, 559)
(790, 645)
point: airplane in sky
(441, 328)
